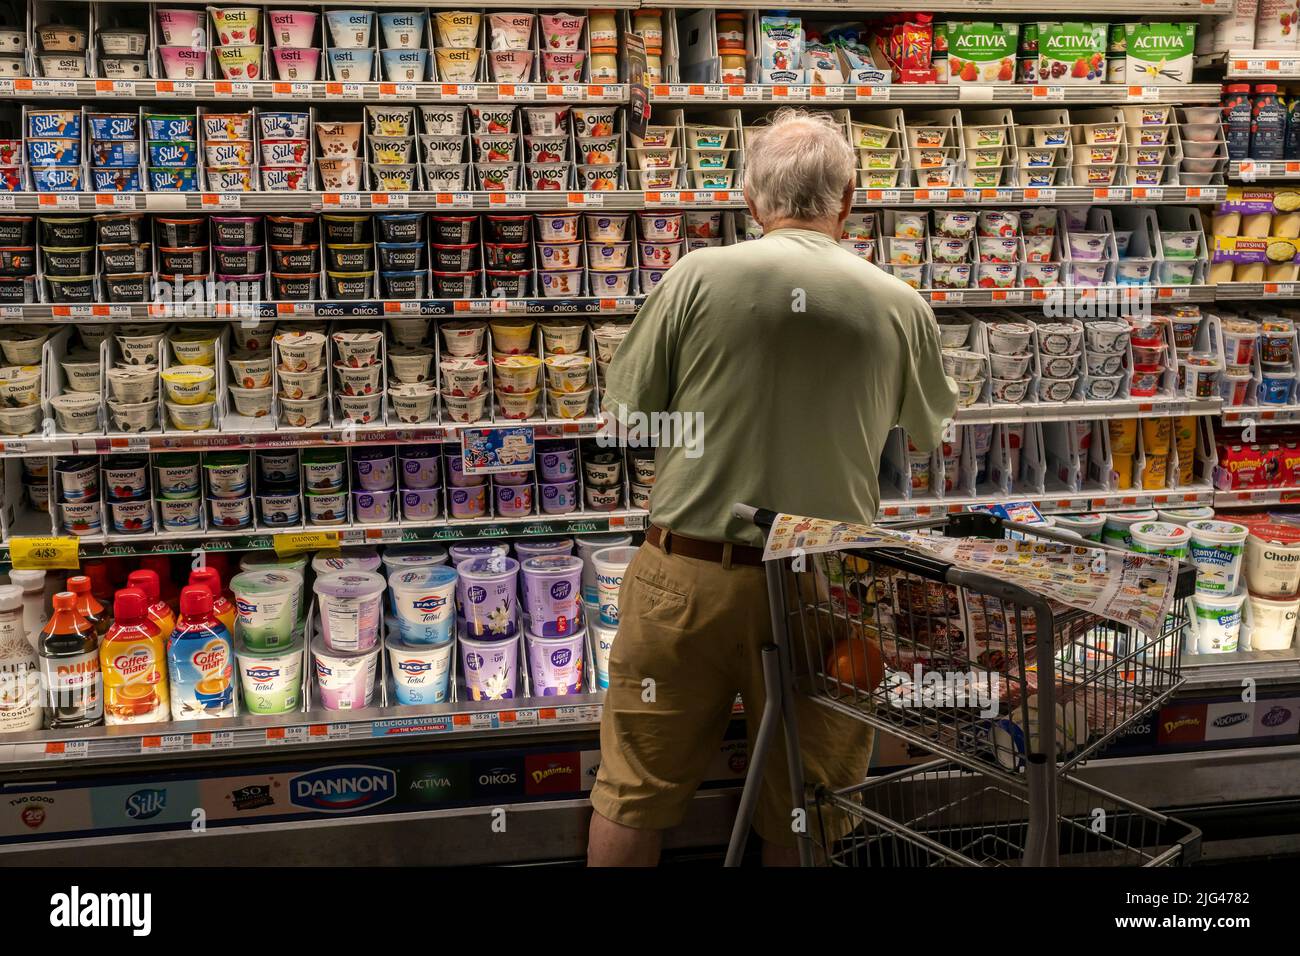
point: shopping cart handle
(759, 516)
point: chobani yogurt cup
(271, 679)
(491, 668)
(345, 680)
(421, 672)
(553, 594)
(266, 607)
(1273, 560)
(424, 603)
(350, 604)
(555, 663)
(487, 595)
(1216, 548)
(360, 560)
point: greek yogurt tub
(350, 605)
(353, 559)
(345, 679)
(271, 679)
(266, 606)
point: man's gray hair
(798, 166)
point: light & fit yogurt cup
(556, 663)
(491, 668)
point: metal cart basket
(1012, 690)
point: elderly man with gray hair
(798, 357)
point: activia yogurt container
(345, 679)
(421, 672)
(350, 605)
(271, 679)
(424, 603)
(266, 606)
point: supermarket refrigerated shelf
(1231, 291)
(443, 529)
(1063, 295)
(1086, 410)
(1053, 502)
(1256, 496)
(1275, 66)
(903, 94)
(1260, 415)
(994, 7)
(1252, 170)
(549, 200)
(298, 731)
(226, 311)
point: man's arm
(929, 395)
(642, 376)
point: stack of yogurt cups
(300, 374)
(126, 482)
(403, 57)
(421, 638)
(325, 486)
(516, 368)
(374, 486)
(599, 145)
(419, 471)
(412, 390)
(230, 490)
(184, 50)
(292, 31)
(177, 480)
(556, 634)
(602, 473)
(133, 378)
(557, 469)
(442, 149)
(349, 51)
(659, 246)
(173, 154)
(467, 495)
(488, 621)
(495, 147)
(77, 484)
(284, 150)
(465, 347)
(359, 374)
(114, 152)
(279, 502)
(604, 559)
(345, 652)
(568, 365)
(250, 367)
(53, 148)
(238, 50)
(268, 638)
(608, 336)
(229, 154)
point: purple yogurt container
(374, 468)
(487, 597)
(491, 668)
(419, 466)
(513, 501)
(559, 498)
(542, 548)
(467, 502)
(555, 663)
(372, 507)
(512, 478)
(456, 476)
(553, 594)
(350, 604)
(556, 463)
(419, 504)
(460, 553)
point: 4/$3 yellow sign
(297, 542)
(44, 554)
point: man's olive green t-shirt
(796, 358)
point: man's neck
(825, 227)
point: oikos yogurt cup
(555, 663)
(350, 604)
(1216, 548)
(266, 606)
(424, 603)
(1217, 622)
(491, 668)
(421, 672)
(271, 679)
(345, 679)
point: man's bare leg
(613, 844)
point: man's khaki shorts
(695, 629)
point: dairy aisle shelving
(445, 763)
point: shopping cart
(1031, 688)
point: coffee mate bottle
(133, 659)
(88, 605)
(69, 652)
(210, 578)
(21, 707)
(158, 611)
(200, 660)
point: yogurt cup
(421, 672)
(491, 668)
(610, 564)
(271, 679)
(308, 384)
(399, 557)
(486, 591)
(555, 664)
(1216, 622)
(602, 640)
(266, 607)
(345, 680)
(552, 587)
(82, 518)
(359, 560)
(418, 466)
(188, 384)
(131, 517)
(180, 514)
(190, 418)
(411, 364)
(1271, 622)
(77, 413)
(424, 603)
(350, 606)
(469, 502)
(230, 513)
(1272, 560)
(1216, 548)
(1159, 537)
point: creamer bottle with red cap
(133, 659)
(210, 578)
(200, 660)
(88, 605)
(74, 687)
(158, 611)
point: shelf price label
(1047, 93)
(296, 542)
(58, 201)
(114, 201)
(44, 553)
(346, 91)
(1144, 94)
(391, 200)
(115, 87)
(296, 91)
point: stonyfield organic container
(266, 606)
(271, 679)
(345, 680)
(487, 592)
(553, 594)
(421, 672)
(555, 663)
(350, 605)
(424, 604)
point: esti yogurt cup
(345, 680)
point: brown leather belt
(670, 542)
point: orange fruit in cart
(852, 661)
